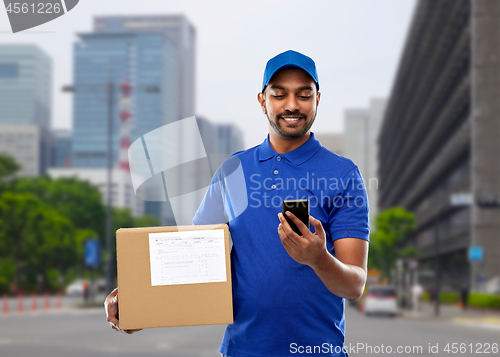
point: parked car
(381, 300)
(77, 287)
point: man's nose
(291, 103)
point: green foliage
(7, 274)
(77, 200)
(4, 285)
(484, 300)
(122, 218)
(147, 221)
(391, 227)
(52, 277)
(8, 166)
(409, 251)
(449, 297)
(44, 223)
(33, 237)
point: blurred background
(410, 93)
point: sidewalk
(473, 316)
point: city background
(409, 93)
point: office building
(362, 127)
(61, 148)
(332, 141)
(148, 63)
(25, 86)
(29, 145)
(439, 138)
(155, 55)
(230, 139)
(25, 106)
(183, 35)
(219, 141)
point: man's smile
(291, 119)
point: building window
(9, 70)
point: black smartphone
(300, 208)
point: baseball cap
(289, 59)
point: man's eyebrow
(277, 86)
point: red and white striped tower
(125, 105)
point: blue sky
(356, 44)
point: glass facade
(182, 34)
(25, 86)
(61, 148)
(145, 60)
(154, 50)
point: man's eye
(304, 96)
(278, 96)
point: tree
(78, 200)
(147, 220)
(8, 166)
(8, 169)
(122, 218)
(34, 237)
(391, 228)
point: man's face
(290, 102)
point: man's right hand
(111, 307)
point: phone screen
(300, 208)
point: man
(289, 289)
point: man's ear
(262, 101)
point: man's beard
(279, 130)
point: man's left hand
(308, 249)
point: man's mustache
(294, 114)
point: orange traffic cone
(5, 304)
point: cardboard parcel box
(174, 276)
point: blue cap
(289, 59)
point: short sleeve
(349, 217)
(226, 197)
(211, 210)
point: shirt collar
(297, 156)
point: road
(424, 336)
(84, 333)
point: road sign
(92, 252)
(475, 254)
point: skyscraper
(180, 31)
(145, 52)
(143, 60)
(362, 127)
(439, 139)
(61, 148)
(25, 86)
(25, 106)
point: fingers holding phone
(304, 247)
(300, 209)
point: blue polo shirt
(281, 307)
